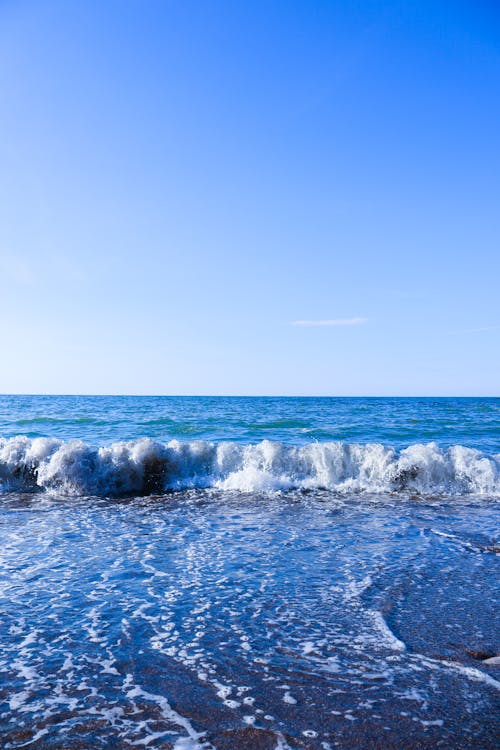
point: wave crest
(146, 466)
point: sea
(200, 573)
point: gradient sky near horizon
(296, 197)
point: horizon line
(242, 395)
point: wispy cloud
(331, 323)
(483, 328)
(476, 330)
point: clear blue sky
(183, 182)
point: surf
(146, 466)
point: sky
(250, 198)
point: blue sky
(250, 198)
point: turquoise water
(256, 574)
(473, 422)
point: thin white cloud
(331, 323)
(475, 330)
(484, 328)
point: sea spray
(147, 466)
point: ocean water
(249, 572)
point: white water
(146, 466)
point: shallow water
(243, 584)
(188, 619)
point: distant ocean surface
(249, 573)
(473, 422)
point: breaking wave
(146, 467)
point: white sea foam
(146, 466)
(386, 633)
